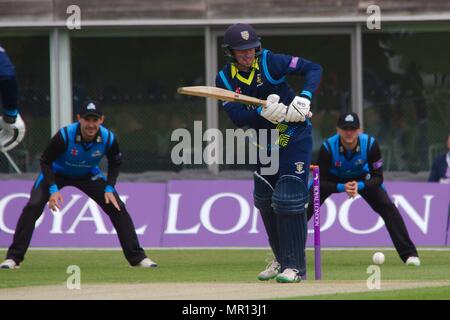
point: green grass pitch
(46, 267)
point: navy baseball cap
(90, 108)
(348, 120)
(241, 36)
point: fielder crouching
(71, 159)
(350, 161)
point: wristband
(361, 185)
(109, 188)
(259, 110)
(53, 188)
(306, 94)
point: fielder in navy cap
(72, 158)
(348, 120)
(350, 162)
(90, 108)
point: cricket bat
(222, 94)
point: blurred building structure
(132, 56)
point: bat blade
(220, 94)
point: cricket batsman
(281, 198)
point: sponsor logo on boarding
(245, 35)
(96, 154)
(299, 167)
(183, 215)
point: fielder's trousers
(379, 201)
(39, 196)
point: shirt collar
(235, 70)
(356, 149)
(79, 137)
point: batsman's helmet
(240, 36)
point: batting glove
(274, 111)
(298, 110)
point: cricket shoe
(9, 264)
(272, 270)
(413, 261)
(289, 276)
(147, 263)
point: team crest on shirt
(96, 154)
(299, 167)
(359, 162)
(74, 152)
(258, 80)
(338, 164)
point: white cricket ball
(378, 258)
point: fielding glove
(11, 134)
